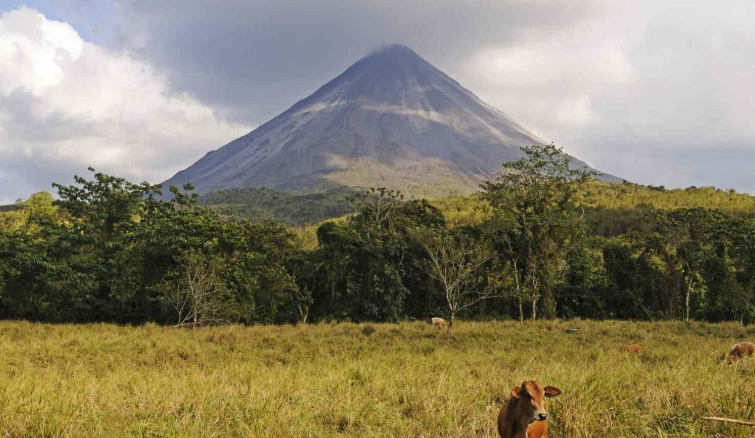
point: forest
(543, 240)
(291, 208)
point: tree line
(115, 251)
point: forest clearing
(370, 380)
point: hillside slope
(302, 209)
(261, 204)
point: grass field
(378, 380)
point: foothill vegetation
(543, 240)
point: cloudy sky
(657, 92)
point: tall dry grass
(379, 380)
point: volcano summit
(390, 120)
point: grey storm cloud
(24, 121)
(253, 59)
(20, 178)
(655, 92)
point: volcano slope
(390, 120)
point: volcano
(390, 120)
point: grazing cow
(634, 348)
(524, 414)
(439, 322)
(740, 351)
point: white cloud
(655, 92)
(66, 104)
(549, 83)
(537, 64)
(576, 111)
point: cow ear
(551, 391)
(516, 392)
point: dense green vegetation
(628, 196)
(541, 241)
(619, 200)
(260, 204)
(369, 380)
(315, 207)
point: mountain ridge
(391, 119)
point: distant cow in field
(633, 348)
(740, 351)
(524, 414)
(439, 322)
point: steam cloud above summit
(657, 92)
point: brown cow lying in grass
(739, 351)
(524, 414)
(634, 348)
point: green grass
(405, 380)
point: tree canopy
(543, 240)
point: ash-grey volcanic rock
(390, 120)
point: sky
(659, 93)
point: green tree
(369, 260)
(535, 206)
(686, 238)
(365, 259)
(103, 211)
(730, 273)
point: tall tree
(368, 260)
(684, 239)
(365, 259)
(535, 203)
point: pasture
(369, 380)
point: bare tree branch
(198, 296)
(456, 261)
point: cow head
(532, 403)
